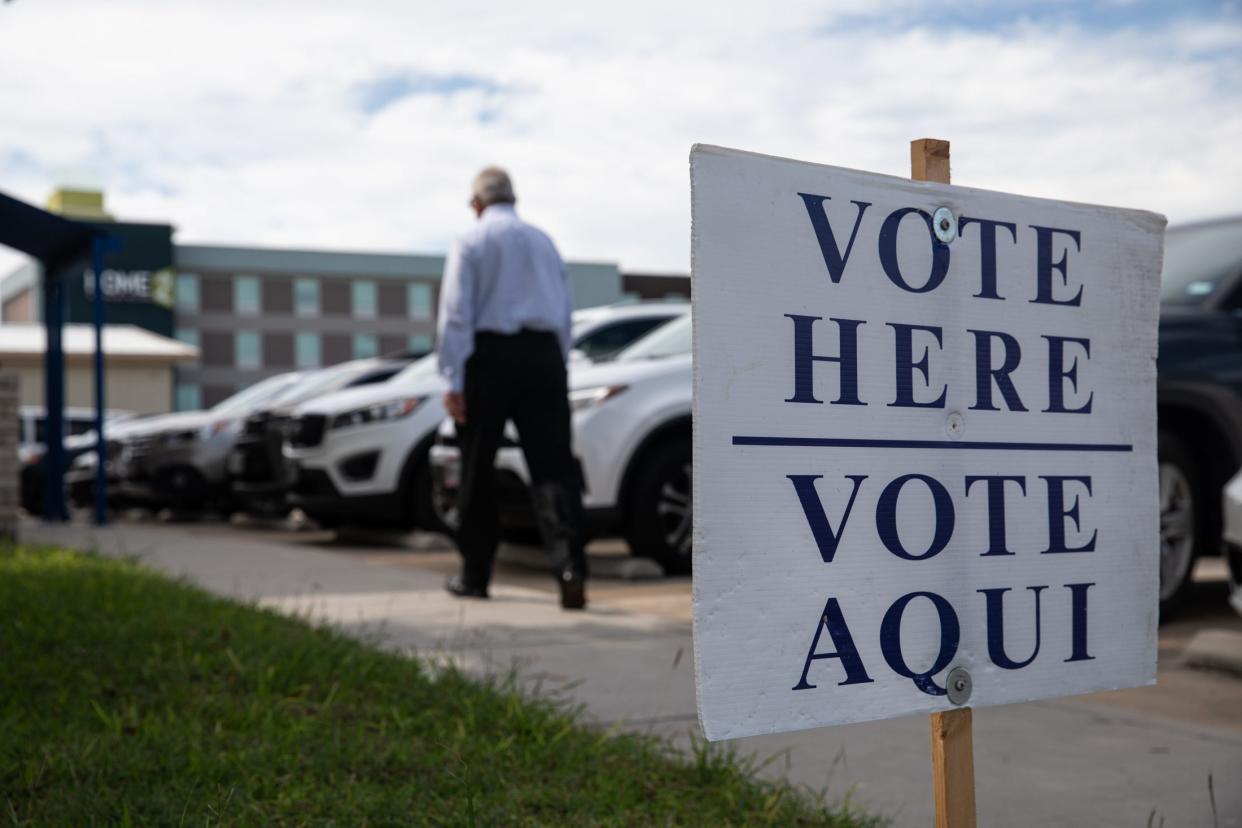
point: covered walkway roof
(59, 243)
(54, 240)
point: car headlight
(378, 413)
(583, 398)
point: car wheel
(658, 515)
(1179, 522)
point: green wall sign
(138, 279)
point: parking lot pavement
(1108, 759)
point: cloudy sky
(358, 125)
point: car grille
(254, 465)
(140, 448)
(138, 453)
(307, 431)
(278, 425)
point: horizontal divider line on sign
(978, 445)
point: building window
(306, 297)
(246, 296)
(364, 300)
(420, 300)
(306, 350)
(249, 350)
(189, 397)
(187, 298)
(365, 346)
(190, 336)
(420, 343)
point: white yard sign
(910, 455)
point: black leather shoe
(573, 591)
(458, 587)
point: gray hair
(492, 186)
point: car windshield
(1200, 262)
(417, 370)
(257, 394)
(668, 340)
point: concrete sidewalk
(1057, 763)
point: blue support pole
(54, 400)
(99, 246)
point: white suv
(631, 427)
(360, 455)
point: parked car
(79, 420)
(1199, 380)
(79, 440)
(359, 457)
(80, 476)
(353, 457)
(32, 476)
(178, 460)
(32, 422)
(631, 427)
(255, 467)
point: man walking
(504, 336)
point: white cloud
(243, 122)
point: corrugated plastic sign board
(913, 455)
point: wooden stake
(953, 751)
(953, 768)
(929, 160)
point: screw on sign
(924, 448)
(959, 686)
(946, 224)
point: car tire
(658, 512)
(1182, 523)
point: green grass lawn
(130, 699)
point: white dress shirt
(502, 276)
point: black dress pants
(519, 377)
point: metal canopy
(53, 240)
(59, 244)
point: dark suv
(1199, 393)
